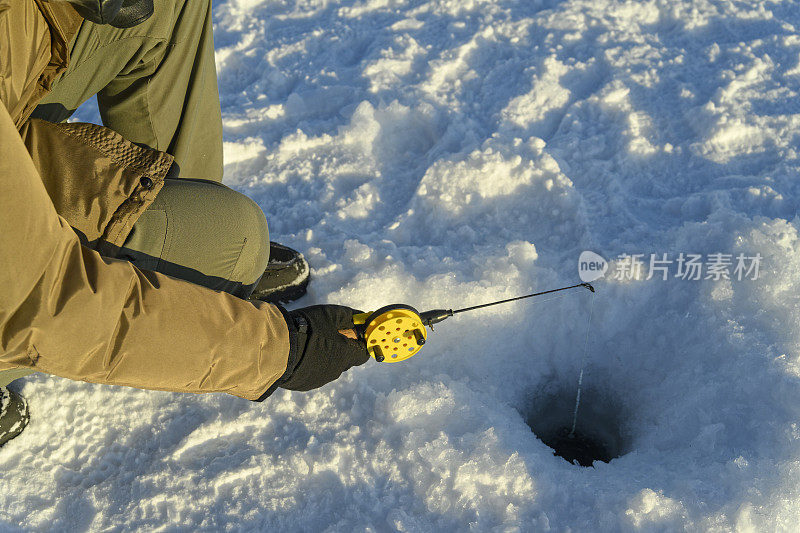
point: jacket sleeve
(66, 310)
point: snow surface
(448, 152)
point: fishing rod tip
(588, 286)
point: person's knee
(204, 232)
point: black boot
(14, 415)
(286, 277)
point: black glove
(318, 353)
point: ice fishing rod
(396, 332)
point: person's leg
(203, 232)
(156, 84)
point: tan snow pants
(156, 85)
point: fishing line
(583, 366)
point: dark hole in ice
(577, 447)
(598, 433)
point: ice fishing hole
(599, 434)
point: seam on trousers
(238, 258)
(166, 248)
(157, 266)
(147, 107)
(168, 221)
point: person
(123, 259)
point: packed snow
(444, 153)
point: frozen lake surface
(443, 153)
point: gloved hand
(318, 352)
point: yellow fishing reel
(392, 333)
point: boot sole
(286, 294)
(286, 277)
(15, 416)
